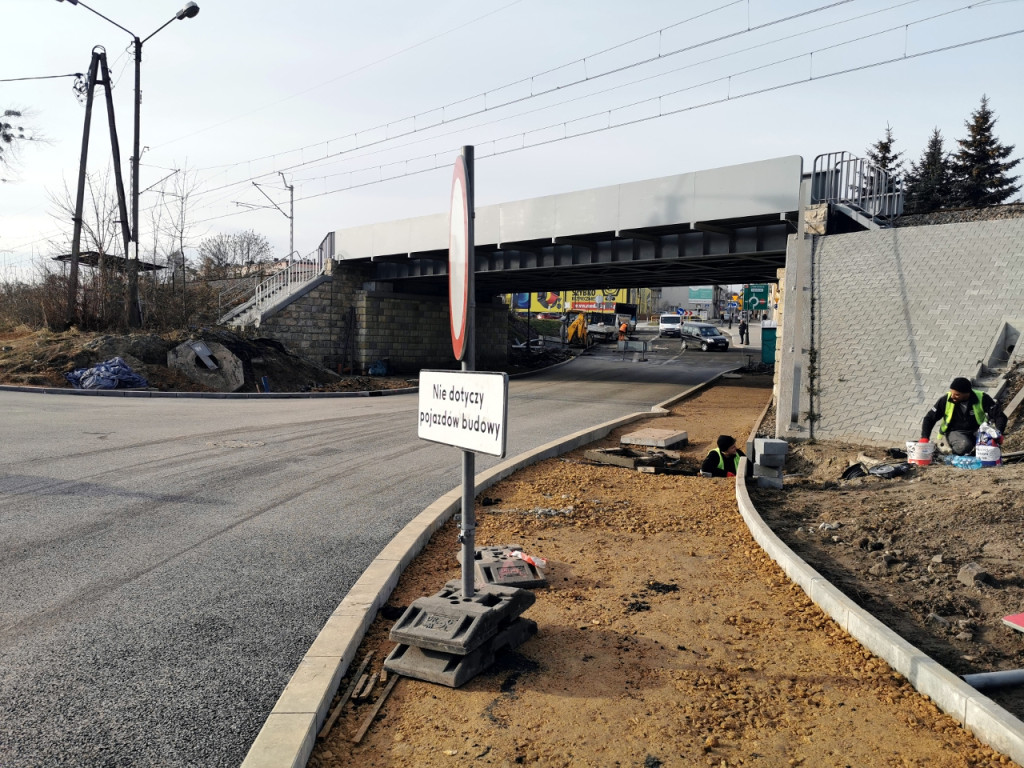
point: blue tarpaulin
(113, 374)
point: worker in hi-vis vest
(723, 459)
(959, 414)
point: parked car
(670, 325)
(704, 335)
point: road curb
(144, 393)
(978, 714)
(288, 736)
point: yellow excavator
(578, 330)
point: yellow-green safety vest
(979, 412)
(721, 460)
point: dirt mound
(42, 358)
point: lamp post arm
(173, 18)
(105, 18)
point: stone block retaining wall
(898, 313)
(410, 331)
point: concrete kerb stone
(204, 395)
(284, 738)
(990, 723)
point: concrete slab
(760, 470)
(656, 438)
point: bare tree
(226, 255)
(102, 296)
(177, 201)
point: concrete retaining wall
(897, 314)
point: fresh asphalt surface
(165, 563)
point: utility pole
(290, 215)
(190, 11)
(98, 74)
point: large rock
(229, 375)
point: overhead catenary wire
(631, 83)
(532, 78)
(335, 156)
(349, 73)
(427, 156)
(802, 81)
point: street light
(189, 11)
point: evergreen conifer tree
(878, 193)
(928, 186)
(883, 156)
(980, 167)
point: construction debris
(336, 712)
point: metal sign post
(451, 636)
(462, 299)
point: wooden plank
(344, 699)
(360, 686)
(371, 680)
(373, 712)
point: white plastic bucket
(920, 453)
(990, 455)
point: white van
(670, 325)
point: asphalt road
(165, 563)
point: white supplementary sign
(467, 409)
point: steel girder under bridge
(721, 226)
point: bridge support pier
(407, 331)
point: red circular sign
(458, 258)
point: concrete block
(771, 460)
(751, 453)
(656, 438)
(762, 471)
(769, 482)
(764, 445)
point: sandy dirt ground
(666, 636)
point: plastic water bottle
(967, 462)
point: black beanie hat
(725, 442)
(960, 384)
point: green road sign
(756, 297)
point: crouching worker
(722, 460)
(959, 415)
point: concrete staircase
(277, 291)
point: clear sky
(339, 94)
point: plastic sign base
(451, 623)
(452, 669)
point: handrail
(284, 282)
(840, 177)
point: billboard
(599, 300)
(700, 294)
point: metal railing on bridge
(283, 283)
(844, 179)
